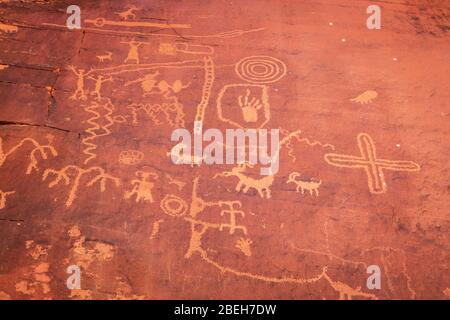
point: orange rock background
(86, 180)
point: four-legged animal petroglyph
(345, 291)
(127, 14)
(311, 186)
(262, 185)
(103, 57)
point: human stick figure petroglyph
(142, 187)
(98, 84)
(78, 173)
(3, 195)
(262, 185)
(32, 165)
(311, 186)
(370, 163)
(79, 91)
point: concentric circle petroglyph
(260, 69)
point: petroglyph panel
(86, 176)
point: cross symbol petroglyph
(369, 162)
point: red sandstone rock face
(86, 120)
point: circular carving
(173, 205)
(260, 69)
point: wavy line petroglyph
(172, 111)
(42, 149)
(370, 163)
(365, 97)
(66, 173)
(3, 195)
(98, 126)
(142, 187)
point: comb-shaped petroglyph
(365, 97)
(44, 150)
(244, 245)
(301, 186)
(77, 173)
(142, 187)
(8, 28)
(370, 163)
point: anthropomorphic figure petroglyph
(79, 92)
(142, 187)
(261, 185)
(311, 186)
(98, 84)
(133, 53)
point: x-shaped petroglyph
(370, 163)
